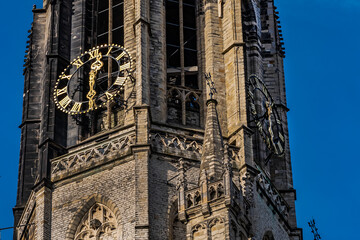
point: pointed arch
(98, 217)
(193, 109)
(268, 236)
(177, 230)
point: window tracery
(182, 61)
(174, 102)
(99, 223)
(192, 110)
(104, 24)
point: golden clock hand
(269, 109)
(95, 67)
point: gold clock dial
(93, 79)
(264, 113)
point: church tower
(155, 119)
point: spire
(213, 151)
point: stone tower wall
(114, 183)
(134, 169)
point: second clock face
(93, 79)
(264, 112)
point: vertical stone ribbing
(157, 62)
(234, 65)
(43, 212)
(130, 45)
(214, 61)
(29, 158)
(141, 151)
(142, 32)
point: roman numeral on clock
(78, 63)
(61, 91)
(109, 95)
(65, 102)
(94, 54)
(68, 77)
(279, 146)
(281, 137)
(76, 107)
(120, 56)
(107, 54)
(120, 81)
(124, 66)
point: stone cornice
(91, 155)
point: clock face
(93, 79)
(265, 115)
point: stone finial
(220, 8)
(213, 153)
(211, 84)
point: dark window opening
(107, 27)
(174, 107)
(192, 111)
(182, 60)
(174, 79)
(191, 81)
(116, 24)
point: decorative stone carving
(181, 181)
(248, 188)
(277, 200)
(99, 223)
(215, 221)
(27, 214)
(187, 148)
(198, 227)
(90, 156)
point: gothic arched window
(177, 229)
(103, 24)
(174, 106)
(109, 22)
(192, 110)
(182, 56)
(99, 223)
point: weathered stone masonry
(177, 165)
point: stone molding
(26, 215)
(273, 195)
(91, 156)
(180, 146)
(183, 147)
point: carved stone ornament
(181, 146)
(91, 155)
(248, 188)
(273, 194)
(99, 223)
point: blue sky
(322, 40)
